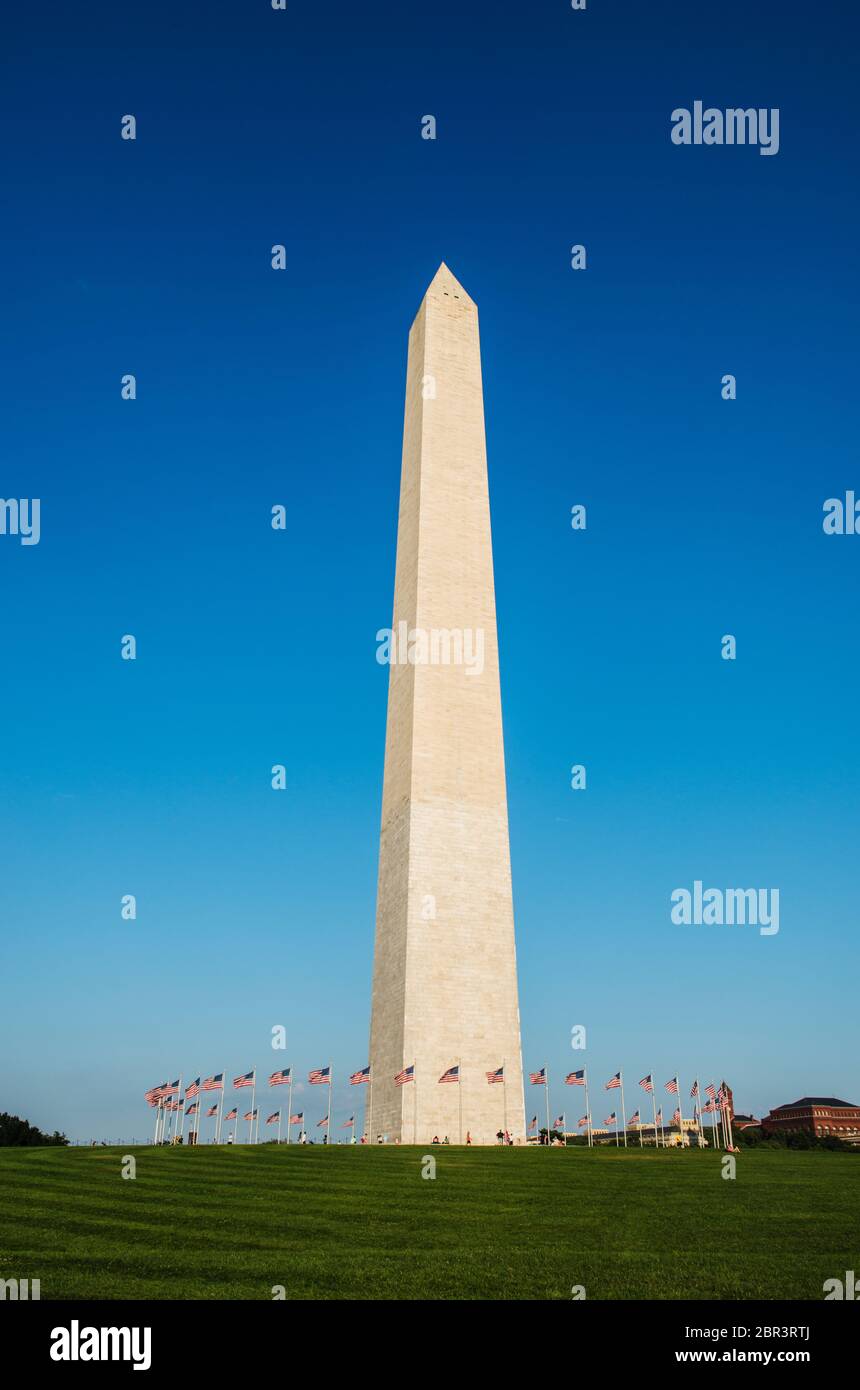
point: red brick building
(818, 1115)
(741, 1122)
(730, 1099)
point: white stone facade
(445, 980)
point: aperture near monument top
(445, 285)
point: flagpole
(290, 1106)
(415, 1103)
(460, 1097)
(714, 1117)
(157, 1118)
(588, 1109)
(368, 1109)
(221, 1106)
(182, 1108)
(504, 1099)
(328, 1122)
(623, 1111)
(680, 1112)
(280, 1117)
(728, 1114)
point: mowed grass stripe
(347, 1222)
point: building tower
(444, 979)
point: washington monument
(444, 977)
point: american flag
(407, 1074)
(349, 1123)
(233, 1113)
(613, 1083)
(251, 1115)
(538, 1078)
(320, 1076)
(647, 1083)
(191, 1109)
(676, 1118)
(276, 1115)
(559, 1123)
(172, 1089)
(246, 1080)
(281, 1078)
(173, 1105)
(213, 1110)
(297, 1119)
(214, 1083)
(452, 1074)
(192, 1090)
(360, 1078)
(533, 1123)
(583, 1121)
(634, 1119)
(720, 1095)
(672, 1086)
(709, 1091)
(659, 1116)
(321, 1124)
(575, 1078)
(156, 1093)
(694, 1089)
(612, 1119)
(495, 1077)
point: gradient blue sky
(256, 908)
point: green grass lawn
(344, 1222)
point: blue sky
(602, 386)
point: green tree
(18, 1133)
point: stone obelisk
(445, 979)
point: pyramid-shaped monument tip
(445, 282)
